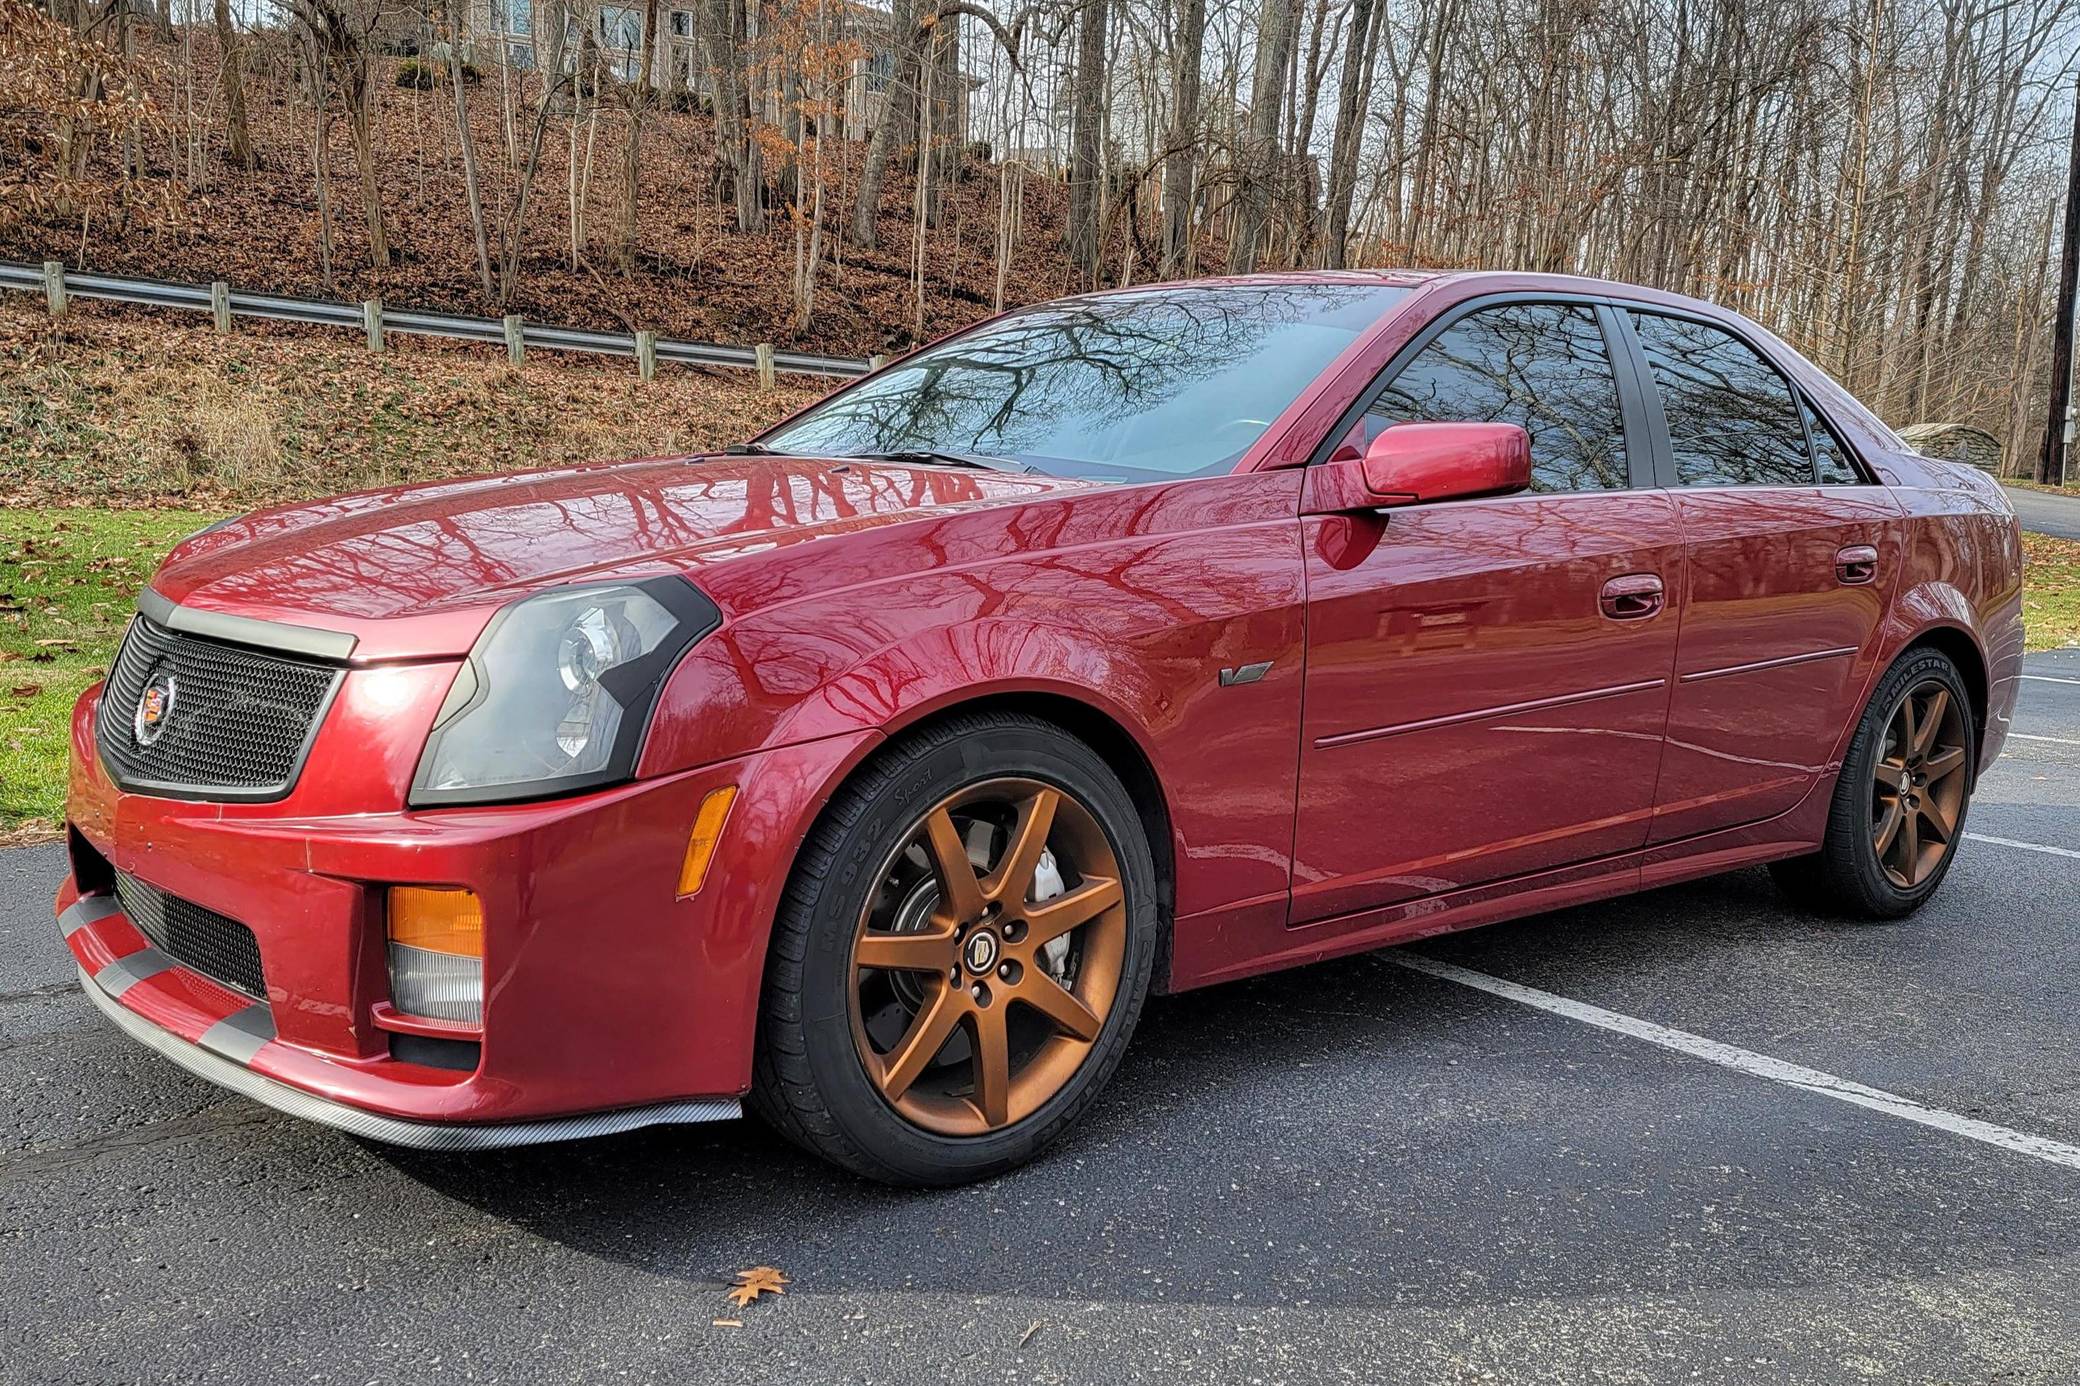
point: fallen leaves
(759, 1280)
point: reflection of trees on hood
(1098, 361)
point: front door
(1488, 680)
(1790, 557)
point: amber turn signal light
(707, 832)
(438, 920)
(437, 953)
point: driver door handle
(1633, 597)
(1856, 564)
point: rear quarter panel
(1961, 552)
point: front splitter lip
(418, 1135)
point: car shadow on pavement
(1334, 1134)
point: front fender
(933, 670)
(1135, 628)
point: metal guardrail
(159, 293)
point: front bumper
(610, 1002)
(209, 1063)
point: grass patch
(2050, 591)
(68, 583)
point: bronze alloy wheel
(1918, 784)
(988, 956)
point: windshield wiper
(750, 450)
(942, 458)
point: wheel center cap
(980, 952)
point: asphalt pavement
(2046, 513)
(1352, 1172)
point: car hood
(415, 571)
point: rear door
(1789, 559)
(1487, 680)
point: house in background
(522, 34)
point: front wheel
(1898, 808)
(961, 955)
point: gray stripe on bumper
(239, 1036)
(421, 1135)
(86, 910)
(126, 972)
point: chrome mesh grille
(215, 945)
(236, 723)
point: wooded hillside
(1878, 180)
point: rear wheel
(1898, 809)
(961, 956)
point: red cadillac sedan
(874, 772)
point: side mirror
(1416, 462)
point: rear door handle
(1856, 564)
(1633, 597)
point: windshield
(1134, 386)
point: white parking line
(1747, 1061)
(2054, 740)
(2025, 846)
(2047, 678)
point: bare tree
(231, 75)
(339, 34)
(740, 170)
(1258, 166)
(1087, 118)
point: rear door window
(1732, 420)
(1829, 455)
(1541, 366)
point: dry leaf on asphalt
(759, 1280)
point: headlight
(558, 692)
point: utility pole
(2058, 429)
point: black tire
(1846, 877)
(809, 1082)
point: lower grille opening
(90, 870)
(215, 945)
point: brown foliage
(66, 97)
(130, 407)
(693, 276)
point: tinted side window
(1835, 467)
(1541, 366)
(1731, 418)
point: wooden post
(220, 304)
(516, 340)
(764, 354)
(876, 362)
(646, 355)
(54, 286)
(2058, 428)
(372, 319)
